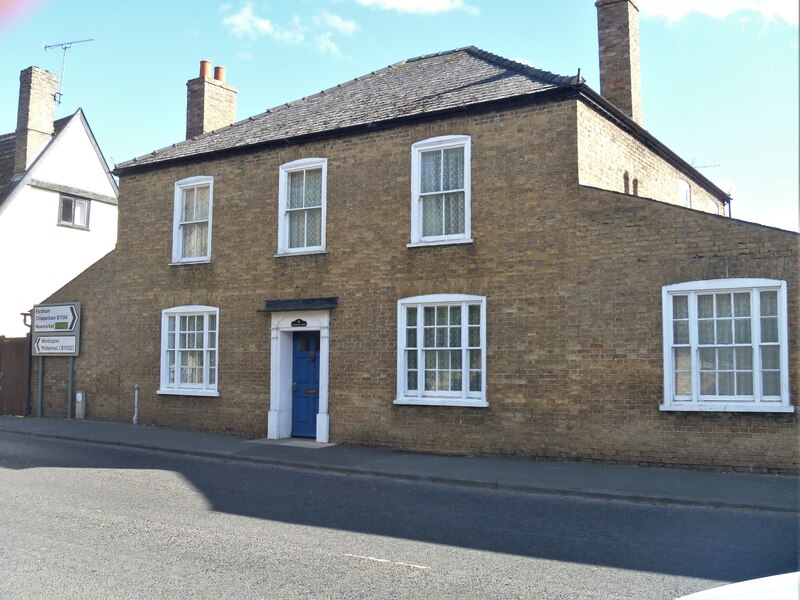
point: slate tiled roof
(7, 145)
(416, 86)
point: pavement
(652, 485)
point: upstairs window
(191, 236)
(189, 351)
(441, 350)
(73, 212)
(302, 193)
(440, 191)
(684, 193)
(726, 346)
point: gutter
(555, 93)
(578, 89)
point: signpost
(56, 329)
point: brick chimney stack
(210, 102)
(35, 114)
(620, 75)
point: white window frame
(684, 193)
(440, 143)
(431, 398)
(694, 402)
(188, 389)
(177, 232)
(302, 164)
(74, 200)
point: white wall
(71, 160)
(37, 256)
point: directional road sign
(56, 329)
(55, 317)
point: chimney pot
(205, 68)
(219, 74)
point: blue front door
(305, 383)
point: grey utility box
(80, 404)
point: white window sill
(743, 407)
(439, 243)
(187, 392)
(71, 226)
(300, 253)
(202, 261)
(473, 403)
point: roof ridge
(324, 91)
(521, 68)
(435, 54)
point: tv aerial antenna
(65, 46)
(698, 167)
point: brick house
(456, 253)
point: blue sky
(719, 77)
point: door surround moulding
(279, 418)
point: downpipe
(136, 404)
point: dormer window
(73, 212)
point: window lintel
(441, 299)
(194, 180)
(304, 163)
(441, 141)
(712, 285)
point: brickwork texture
(620, 70)
(35, 114)
(572, 276)
(210, 105)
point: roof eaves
(540, 96)
(537, 74)
(26, 176)
(99, 153)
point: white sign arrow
(56, 344)
(55, 318)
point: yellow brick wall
(572, 277)
(606, 154)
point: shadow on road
(691, 542)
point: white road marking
(384, 560)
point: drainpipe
(136, 404)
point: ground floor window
(189, 350)
(441, 350)
(725, 346)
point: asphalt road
(81, 520)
